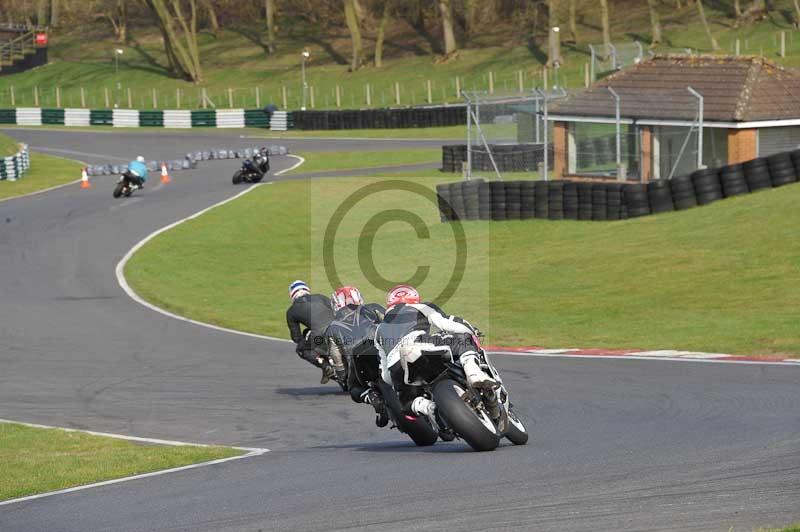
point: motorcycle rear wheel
(118, 190)
(475, 427)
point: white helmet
(139, 159)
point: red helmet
(402, 293)
(346, 295)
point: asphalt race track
(616, 445)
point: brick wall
(742, 145)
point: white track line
(638, 357)
(41, 191)
(250, 452)
(120, 269)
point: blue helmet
(298, 288)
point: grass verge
(8, 146)
(40, 460)
(46, 171)
(717, 278)
(323, 161)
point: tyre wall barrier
(508, 157)
(600, 201)
(231, 118)
(381, 118)
(15, 166)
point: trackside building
(750, 108)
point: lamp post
(305, 54)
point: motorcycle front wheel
(237, 177)
(118, 189)
(516, 432)
(472, 424)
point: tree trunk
(604, 21)
(447, 27)
(701, 11)
(573, 27)
(655, 22)
(54, 12)
(355, 33)
(737, 9)
(553, 38)
(796, 14)
(41, 13)
(121, 27)
(269, 6)
(180, 37)
(213, 22)
(387, 12)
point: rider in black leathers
(351, 334)
(314, 312)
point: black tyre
(473, 426)
(127, 191)
(660, 196)
(418, 429)
(516, 431)
(118, 189)
(733, 180)
(237, 177)
(636, 201)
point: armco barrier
(599, 201)
(15, 166)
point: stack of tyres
(781, 169)
(471, 201)
(513, 199)
(636, 201)
(660, 196)
(795, 156)
(614, 200)
(457, 201)
(733, 180)
(756, 173)
(555, 200)
(484, 201)
(540, 200)
(707, 187)
(584, 201)
(682, 192)
(498, 198)
(570, 200)
(527, 200)
(599, 202)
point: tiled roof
(734, 89)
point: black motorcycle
(363, 368)
(126, 184)
(252, 170)
(480, 416)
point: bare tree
(351, 18)
(573, 27)
(553, 37)
(605, 23)
(211, 14)
(54, 12)
(385, 15)
(269, 7)
(701, 11)
(446, 9)
(655, 22)
(737, 9)
(117, 15)
(180, 36)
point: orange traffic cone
(85, 179)
(164, 175)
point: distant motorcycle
(252, 170)
(126, 184)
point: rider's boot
(476, 377)
(373, 398)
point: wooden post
(58, 97)
(430, 95)
(491, 82)
(155, 99)
(107, 97)
(258, 97)
(178, 98)
(544, 77)
(458, 86)
(83, 97)
(397, 93)
(521, 81)
(368, 94)
(283, 94)
(204, 98)
(230, 97)
(311, 95)
(130, 99)
(738, 49)
(338, 96)
(13, 99)
(783, 44)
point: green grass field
(8, 146)
(717, 278)
(40, 460)
(46, 171)
(322, 161)
(83, 57)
